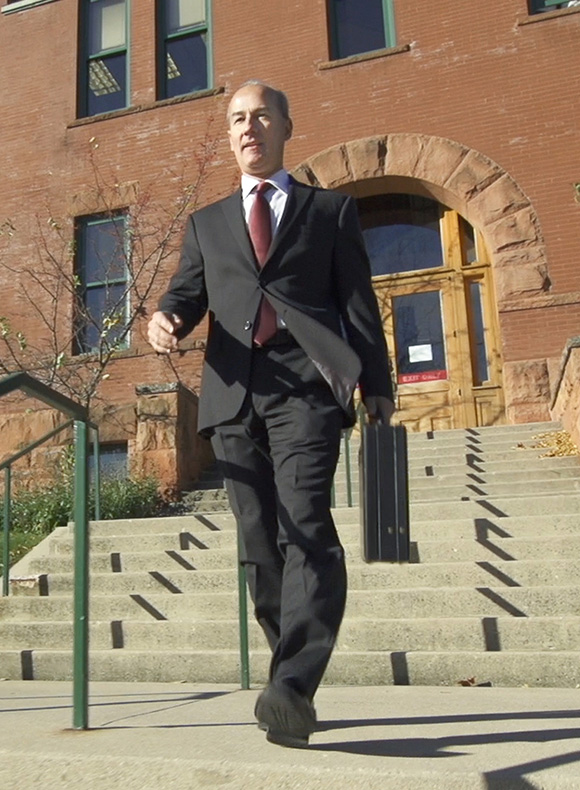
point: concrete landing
(370, 738)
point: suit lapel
(234, 214)
(297, 200)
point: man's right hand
(161, 331)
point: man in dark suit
(293, 326)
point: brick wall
(484, 75)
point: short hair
(279, 96)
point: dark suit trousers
(279, 457)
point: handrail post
(6, 531)
(81, 581)
(243, 619)
(97, 472)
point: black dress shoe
(287, 717)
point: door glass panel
(468, 245)
(402, 233)
(419, 340)
(480, 364)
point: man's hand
(161, 332)
(379, 408)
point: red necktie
(260, 228)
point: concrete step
(493, 434)
(488, 534)
(522, 573)
(344, 518)
(346, 668)
(461, 475)
(490, 634)
(492, 536)
(495, 579)
(477, 454)
(489, 600)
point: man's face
(257, 131)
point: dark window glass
(401, 232)
(107, 86)
(186, 65)
(358, 27)
(541, 6)
(102, 287)
(419, 339)
(468, 243)
(183, 48)
(481, 368)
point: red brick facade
(484, 82)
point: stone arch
(455, 175)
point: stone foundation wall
(566, 401)
(166, 443)
(18, 430)
(160, 430)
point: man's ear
(230, 140)
(289, 128)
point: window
(102, 282)
(402, 233)
(357, 27)
(103, 76)
(540, 6)
(183, 50)
(113, 461)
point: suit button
(248, 325)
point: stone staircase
(492, 595)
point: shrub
(37, 511)
(130, 498)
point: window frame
(163, 37)
(83, 286)
(389, 30)
(85, 60)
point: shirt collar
(280, 179)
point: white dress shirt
(276, 197)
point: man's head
(258, 126)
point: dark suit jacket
(317, 277)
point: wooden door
(440, 318)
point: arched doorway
(433, 279)
(472, 187)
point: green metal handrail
(79, 419)
(7, 464)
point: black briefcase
(384, 489)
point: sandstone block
(403, 153)
(330, 167)
(438, 159)
(497, 200)
(366, 158)
(473, 175)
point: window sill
(557, 14)
(364, 56)
(21, 5)
(105, 116)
